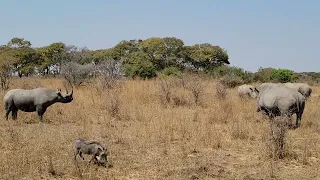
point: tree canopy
(138, 57)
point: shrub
(221, 91)
(109, 73)
(281, 75)
(171, 71)
(263, 75)
(231, 81)
(165, 87)
(77, 73)
(227, 71)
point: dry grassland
(156, 132)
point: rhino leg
(298, 121)
(14, 113)
(299, 114)
(41, 110)
(7, 112)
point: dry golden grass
(218, 138)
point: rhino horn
(71, 93)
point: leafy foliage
(137, 57)
(7, 58)
(171, 71)
(263, 75)
(139, 64)
(231, 72)
(281, 75)
(206, 55)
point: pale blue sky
(269, 33)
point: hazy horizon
(255, 34)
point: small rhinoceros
(90, 147)
(280, 100)
(247, 91)
(31, 100)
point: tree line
(132, 58)
(142, 58)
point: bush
(227, 71)
(231, 81)
(171, 71)
(77, 73)
(281, 75)
(263, 75)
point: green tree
(52, 55)
(281, 75)
(7, 59)
(164, 52)
(173, 51)
(73, 53)
(155, 48)
(25, 56)
(204, 56)
(125, 47)
(18, 43)
(101, 55)
(139, 64)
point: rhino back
(43, 95)
(27, 99)
(281, 97)
(266, 86)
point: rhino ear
(256, 90)
(251, 89)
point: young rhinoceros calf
(93, 148)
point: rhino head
(254, 92)
(64, 98)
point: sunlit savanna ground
(216, 139)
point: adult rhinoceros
(31, 100)
(280, 100)
(302, 88)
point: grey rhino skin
(31, 100)
(265, 86)
(90, 147)
(246, 90)
(302, 88)
(280, 100)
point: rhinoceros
(280, 100)
(91, 147)
(31, 100)
(247, 91)
(268, 85)
(302, 88)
